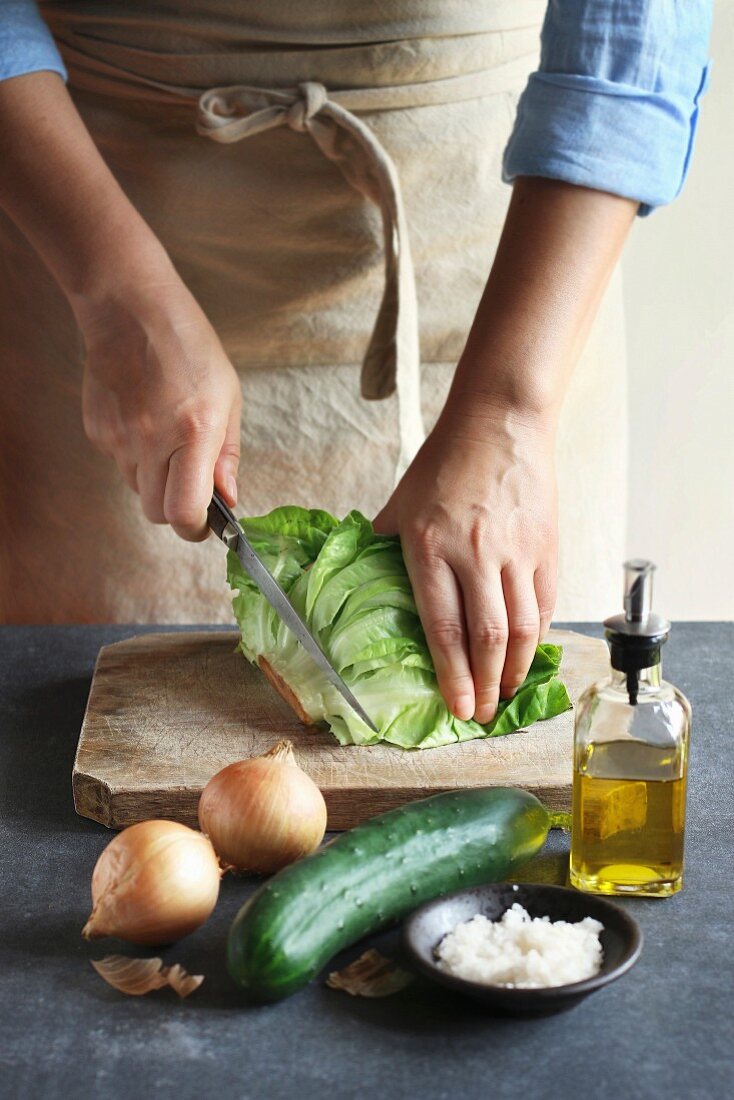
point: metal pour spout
(638, 575)
(636, 636)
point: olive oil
(628, 833)
(630, 760)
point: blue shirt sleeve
(26, 44)
(614, 103)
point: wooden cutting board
(167, 711)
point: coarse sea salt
(522, 952)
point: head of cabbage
(352, 589)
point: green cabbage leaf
(351, 587)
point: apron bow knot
(392, 361)
(308, 104)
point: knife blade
(225, 526)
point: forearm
(58, 190)
(558, 249)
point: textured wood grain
(167, 711)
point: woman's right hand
(161, 398)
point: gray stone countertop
(663, 1031)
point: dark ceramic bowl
(621, 941)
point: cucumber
(375, 874)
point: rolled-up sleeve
(614, 103)
(26, 44)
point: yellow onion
(263, 813)
(154, 883)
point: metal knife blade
(225, 525)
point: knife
(225, 526)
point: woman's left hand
(477, 517)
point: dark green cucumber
(375, 874)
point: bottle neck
(637, 682)
(647, 678)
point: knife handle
(220, 517)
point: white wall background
(679, 300)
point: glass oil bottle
(630, 760)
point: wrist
(483, 408)
(122, 253)
(127, 276)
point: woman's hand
(476, 514)
(162, 399)
(476, 511)
(160, 395)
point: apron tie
(302, 110)
(392, 361)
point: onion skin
(264, 813)
(154, 883)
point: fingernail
(232, 488)
(464, 707)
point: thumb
(227, 464)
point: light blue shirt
(26, 45)
(613, 105)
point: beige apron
(326, 178)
